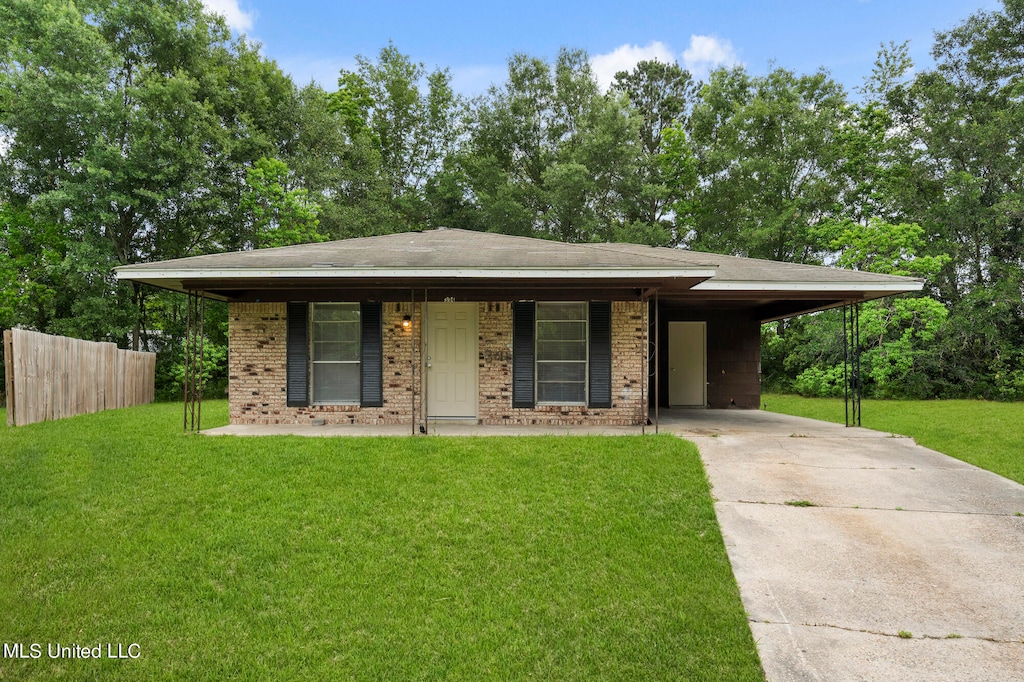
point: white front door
(687, 364)
(451, 360)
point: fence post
(9, 374)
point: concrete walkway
(901, 539)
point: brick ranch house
(453, 324)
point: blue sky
(313, 39)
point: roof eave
(885, 288)
(342, 273)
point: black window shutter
(523, 313)
(297, 363)
(600, 354)
(372, 355)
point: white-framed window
(561, 348)
(336, 356)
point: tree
(766, 156)
(964, 184)
(278, 216)
(550, 155)
(663, 95)
(411, 132)
(897, 334)
(333, 157)
(130, 126)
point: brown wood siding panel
(734, 354)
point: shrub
(818, 382)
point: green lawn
(987, 434)
(391, 558)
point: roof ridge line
(609, 246)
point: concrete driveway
(901, 539)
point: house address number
(449, 299)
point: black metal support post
(424, 381)
(656, 362)
(851, 363)
(645, 380)
(412, 354)
(195, 316)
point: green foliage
(169, 346)
(278, 216)
(552, 156)
(817, 382)
(882, 247)
(766, 152)
(141, 131)
(663, 96)
(352, 102)
(32, 252)
(1008, 375)
(213, 370)
(411, 131)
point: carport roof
(467, 259)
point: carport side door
(687, 364)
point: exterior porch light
(406, 322)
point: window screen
(561, 353)
(335, 348)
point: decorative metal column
(851, 362)
(195, 316)
(654, 360)
(645, 380)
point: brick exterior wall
(256, 367)
(628, 366)
(257, 374)
(256, 362)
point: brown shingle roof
(455, 249)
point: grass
(986, 434)
(375, 558)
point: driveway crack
(897, 635)
(815, 505)
(867, 468)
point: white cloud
(237, 19)
(706, 53)
(625, 57)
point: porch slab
(434, 429)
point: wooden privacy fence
(52, 377)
